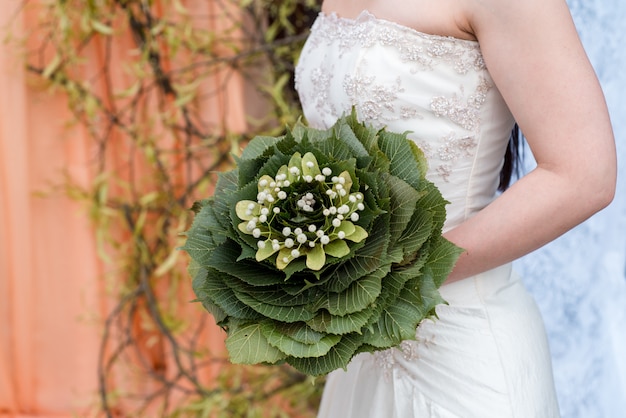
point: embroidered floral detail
(321, 77)
(370, 98)
(409, 113)
(444, 171)
(463, 112)
(452, 149)
(389, 361)
(367, 31)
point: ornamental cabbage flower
(319, 245)
(303, 211)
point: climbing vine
(160, 88)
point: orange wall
(52, 299)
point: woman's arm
(536, 60)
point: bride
(458, 75)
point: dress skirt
(486, 356)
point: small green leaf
(418, 155)
(287, 314)
(204, 237)
(212, 290)
(300, 332)
(404, 199)
(361, 294)
(243, 227)
(315, 258)
(397, 322)
(247, 345)
(295, 161)
(428, 291)
(271, 295)
(346, 227)
(101, 28)
(199, 278)
(258, 146)
(284, 258)
(295, 348)
(265, 252)
(337, 358)
(52, 66)
(401, 156)
(358, 235)
(264, 178)
(347, 180)
(327, 323)
(244, 212)
(183, 99)
(416, 233)
(337, 248)
(312, 171)
(442, 259)
(225, 259)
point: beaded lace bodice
(434, 87)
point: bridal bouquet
(319, 245)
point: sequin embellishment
(462, 112)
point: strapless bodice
(436, 88)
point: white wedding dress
(486, 355)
